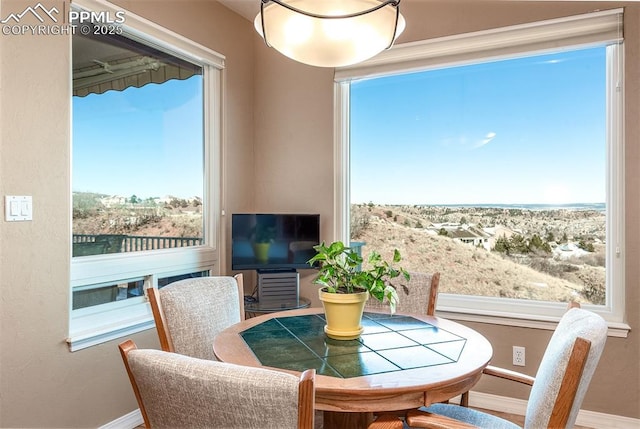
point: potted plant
(347, 284)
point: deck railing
(88, 244)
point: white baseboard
(586, 418)
(128, 421)
(488, 401)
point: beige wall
(293, 137)
(278, 156)
(294, 134)
(42, 384)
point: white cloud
(490, 136)
(466, 143)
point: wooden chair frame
(166, 343)
(433, 294)
(125, 348)
(306, 399)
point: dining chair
(419, 296)
(178, 391)
(189, 313)
(557, 390)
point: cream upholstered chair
(419, 297)
(177, 391)
(190, 313)
(557, 390)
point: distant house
(568, 250)
(163, 201)
(114, 200)
(498, 231)
(463, 233)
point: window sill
(616, 329)
(97, 328)
(88, 339)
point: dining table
(399, 362)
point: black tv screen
(273, 241)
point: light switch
(18, 208)
(25, 208)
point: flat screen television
(269, 241)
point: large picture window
(502, 171)
(144, 172)
(502, 167)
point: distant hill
(95, 213)
(470, 270)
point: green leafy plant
(341, 271)
(264, 233)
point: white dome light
(329, 33)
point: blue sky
(145, 141)
(521, 131)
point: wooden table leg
(338, 420)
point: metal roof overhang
(114, 62)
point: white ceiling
(246, 8)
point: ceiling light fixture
(329, 33)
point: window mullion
(615, 183)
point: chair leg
(464, 399)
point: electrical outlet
(518, 356)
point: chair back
(190, 313)
(566, 369)
(419, 297)
(177, 391)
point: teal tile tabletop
(388, 343)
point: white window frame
(97, 324)
(508, 42)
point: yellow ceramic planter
(261, 250)
(343, 313)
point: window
(499, 166)
(144, 172)
(138, 183)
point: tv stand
(278, 285)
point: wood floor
(515, 418)
(519, 420)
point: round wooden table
(349, 401)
